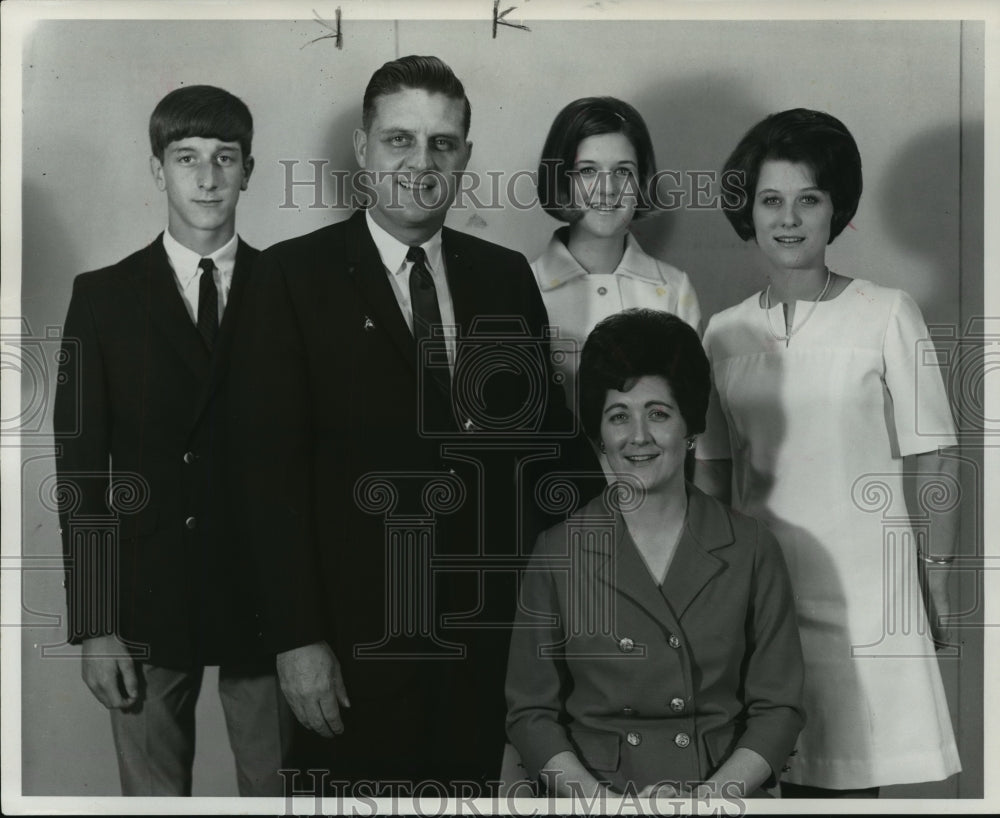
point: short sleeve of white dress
(921, 418)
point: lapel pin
(369, 324)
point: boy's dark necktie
(208, 303)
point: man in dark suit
(157, 585)
(394, 474)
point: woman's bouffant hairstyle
(630, 344)
(203, 111)
(816, 139)
(591, 116)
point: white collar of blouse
(560, 267)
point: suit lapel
(364, 266)
(693, 566)
(632, 578)
(615, 562)
(461, 281)
(156, 289)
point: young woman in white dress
(596, 173)
(820, 413)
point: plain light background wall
(911, 92)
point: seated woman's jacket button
(626, 645)
(677, 704)
(682, 739)
(634, 738)
(674, 641)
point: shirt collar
(637, 263)
(184, 261)
(393, 252)
(562, 267)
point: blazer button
(682, 739)
(677, 704)
(602, 290)
(189, 457)
(626, 645)
(634, 738)
(674, 641)
(190, 522)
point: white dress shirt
(393, 254)
(187, 273)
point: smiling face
(791, 216)
(604, 184)
(203, 178)
(644, 434)
(414, 149)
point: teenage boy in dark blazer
(139, 424)
(387, 462)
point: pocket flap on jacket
(597, 750)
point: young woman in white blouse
(596, 173)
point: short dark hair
(429, 74)
(200, 110)
(814, 138)
(590, 116)
(636, 342)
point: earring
(690, 443)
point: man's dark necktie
(208, 303)
(427, 314)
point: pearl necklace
(767, 310)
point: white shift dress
(816, 431)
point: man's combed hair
(203, 111)
(582, 118)
(816, 139)
(429, 74)
(638, 342)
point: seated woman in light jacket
(597, 173)
(656, 638)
